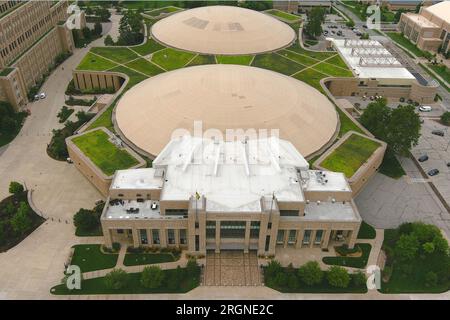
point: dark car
(423, 158)
(438, 133)
(433, 172)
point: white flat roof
(137, 179)
(329, 211)
(394, 72)
(330, 181)
(233, 176)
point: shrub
(428, 247)
(109, 41)
(406, 247)
(359, 279)
(338, 277)
(152, 277)
(86, 220)
(116, 279)
(192, 269)
(273, 268)
(431, 279)
(445, 118)
(15, 188)
(310, 273)
(174, 281)
(21, 221)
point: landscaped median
(97, 153)
(143, 256)
(284, 16)
(356, 155)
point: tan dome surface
(223, 30)
(225, 97)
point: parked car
(36, 97)
(438, 133)
(42, 95)
(423, 158)
(69, 160)
(433, 172)
(339, 33)
(425, 108)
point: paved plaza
(232, 268)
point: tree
(152, 277)
(21, 221)
(130, 26)
(8, 125)
(116, 279)
(406, 247)
(86, 220)
(399, 128)
(338, 277)
(86, 33)
(428, 247)
(109, 41)
(15, 188)
(103, 14)
(272, 269)
(98, 28)
(445, 118)
(431, 279)
(398, 15)
(403, 130)
(316, 17)
(310, 273)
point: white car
(425, 108)
(36, 97)
(42, 95)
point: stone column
(135, 234)
(107, 236)
(217, 250)
(163, 237)
(247, 236)
(149, 237)
(300, 234)
(352, 239)
(313, 237)
(177, 237)
(326, 238)
(285, 241)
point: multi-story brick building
(204, 194)
(32, 35)
(430, 29)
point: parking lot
(339, 31)
(438, 150)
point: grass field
(347, 124)
(299, 58)
(243, 60)
(366, 231)
(350, 155)
(311, 77)
(145, 66)
(149, 47)
(283, 15)
(103, 153)
(333, 71)
(117, 54)
(337, 61)
(401, 40)
(89, 258)
(95, 63)
(157, 12)
(171, 59)
(202, 59)
(276, 62)
(353, 262)
(137, 259)
(441, 70)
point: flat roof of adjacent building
(421, 20)
(372, 51)
(225, 97)
(137, 179)
(223, 30)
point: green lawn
(350, 155)
(137, 259)
(366, 231)
(353, 262)
(347, 124)
(441, 70)
(243, 60)
(300, 58)
(95, 63)
(149, 47)
(311, 77)
(283, 15)
(157, 12)
(312, 54)
(145, 66)
(171, 59)
(89, 258)
(117, 54)
(333, 71)
(401, 40)
(103, 153)
(276, 62)
(98, 286)
(202, 59)
(135, 77)
(337, 61)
